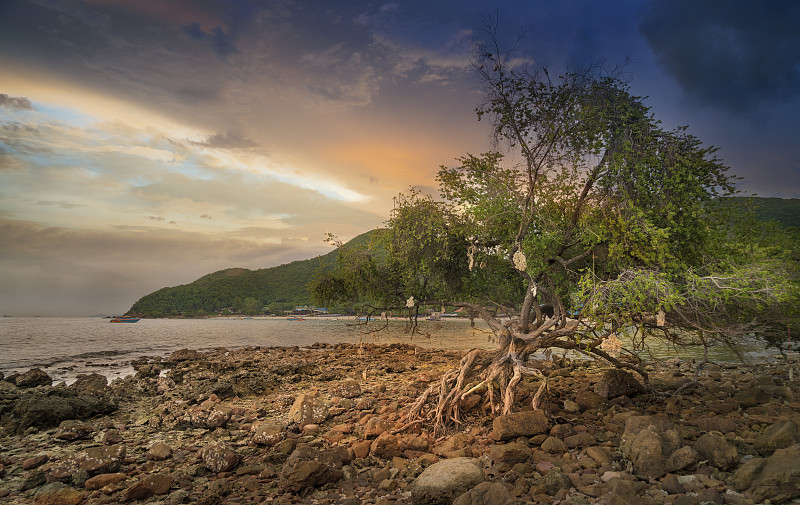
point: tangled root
(499, 374)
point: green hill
(784, 211)
(239, 290)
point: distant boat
(295, 319)
(124, 319)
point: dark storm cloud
(13, 102)
(222, 43)
(736, 55)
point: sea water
(66, 347)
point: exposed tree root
(496, 374)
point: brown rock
(554, 445)
(219, 457)
(107, 459)
(72, 429)
(57, 493)
(599, 454)
(714, 448)
(34, 461)
(520, 424)
(112, 437)
(486, 493)
(185, 355)
(386, 446)
(308, 409)
(159, 451)
(514, 452)
(361, 448)
(150, 485)
(616, 383)
(269, 433)
(104, 479)
(716, 423)
(778, 436)
(32, 378)
(347, 389)
(582, 439)
(307, 467)
(375, 426)
(778, 479)
(589, 400)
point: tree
(595, 210)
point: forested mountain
(242, 291)
(784, 211)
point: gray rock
(486, 493)
(777, 436)
(442, 482)
(48, 409)
(552, 482)
(520, 424)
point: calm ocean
(66, 347)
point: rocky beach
(326, 425)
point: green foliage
(605, 214)
(239, 290)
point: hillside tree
(591, 228)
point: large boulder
(520, 424)
(654, 447)
(716, 450)
(32, 378)
(45, 409)
(442, 482)
(778, 436)
(616, 383)
(776, 478)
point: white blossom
(410, 302)
(520, 263)
(612, 345)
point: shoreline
(324, 424)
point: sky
(145, 143)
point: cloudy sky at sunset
(145, 143)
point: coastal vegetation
(241, 291)
(591, 229)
